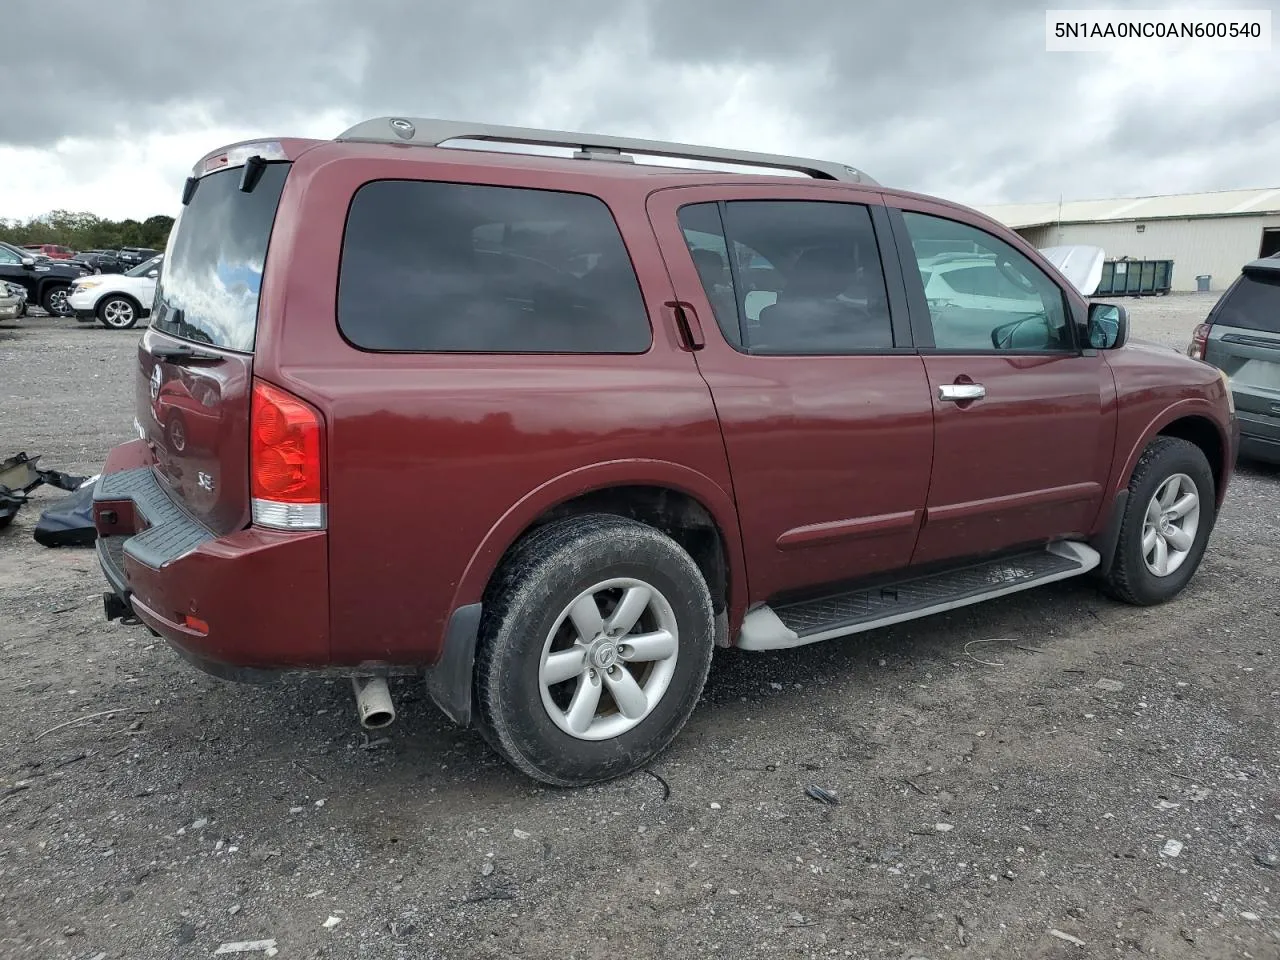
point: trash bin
(1202, 283)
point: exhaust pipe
(373, 702)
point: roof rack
(590, 146)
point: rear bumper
(1259, 437)
(246, 606)
(253, 600)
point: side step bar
(795, 624)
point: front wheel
(54, 302)
(595, 643)
(118, 313)
(1167, 522)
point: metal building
(1204, 234)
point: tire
(526, 619)
(118, 312)
(54, 301)
(1166, 461)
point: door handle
(961, 392)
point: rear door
(1022, 444)
(822, 401)
(194, 410)
(1244, 342)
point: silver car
(1241, 336)
(13, 301)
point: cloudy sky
(956, 99)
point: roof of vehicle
(1269, 264)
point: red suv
(51, 250)
(546, 430)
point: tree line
(86, 231)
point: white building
(1204, 234)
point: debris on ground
(1171, 848)
(520, 834)
(331, 922)
(68, 521)
(1067, 937)
(822, 796)
(248, 946)
(1109, 686)
(19, 475)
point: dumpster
(1135, 278)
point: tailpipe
(373, 702)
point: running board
(795, 624)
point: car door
(795, 304)
(12, 270)
(1023, 419)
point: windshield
(142, 269)
(212, 268)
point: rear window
(1253, 302)
(212, 272)
(446, 267)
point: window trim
(900, 329)
(918, 304)
(378, 351)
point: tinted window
(804, 277)
(994, 297)
(142, 269)
(8, 256)
(212, 272)
(1253, 302)
(444, 267)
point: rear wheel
(594, 646)
(54, 302)
(1167, 522)
(118, 312)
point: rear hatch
(195, 372)
(1244, 342)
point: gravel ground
(1048, 775)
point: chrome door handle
(960, 392)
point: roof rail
(590, 146)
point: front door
(823, 403)
(1023, 416)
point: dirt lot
(1009, 798)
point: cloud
(956, 99)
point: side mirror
(28, 261)
(153, 274)
(1108, 326)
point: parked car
(116, 300)
(53, 251)
(46, 281)
(132, 256)
(1241, 336)
(103, 261)
(13, 301)
(486, 417)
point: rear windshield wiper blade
(181, 353)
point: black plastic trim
(449, 681)
(1105, 542)
(894, 282)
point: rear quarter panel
(436, 463)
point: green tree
(87, 231)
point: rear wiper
(181, 353)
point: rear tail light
(1199, 342)
(285, 461)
